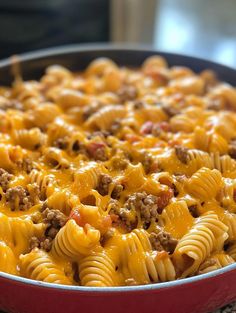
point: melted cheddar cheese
(116, 176)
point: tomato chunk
(92, 147)
(146, 128)
(76, 216)
(164, 198)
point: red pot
(198, 294)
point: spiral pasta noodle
(105, 116)
(116, 176)
(71, 98)
(216, 261)
(73, 241)
(229, 219)
(199, 159)
(173, 216)
(138, 261)
(9, 156)
(8, 261)
(45, 182)
(98, 270)
(205, 183)
(43, 114)
(16, 232)
(227, 195)
(86, 179)
(199, 242)
(224, 164)
(38, 265)
(62, 200)
(232, 251)
(32, 139)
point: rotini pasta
(43, 114)
(105, 116)
(204, 184)
(232, 251)
(16, 232)
(173, 216)
(139, 263)
(8, 261)
(229, 219)
(86, 179)
(115, 176)
(46, 183)
(74, 241)
(30, 139)
(99, 270)
(215, 261)
(208, 234)
(39, 265)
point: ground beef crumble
(163, 241)
(146, 204)
(100, 154)
(78, 148)
(104, 182)
(182, 154)
(116, 192)
(156, 129)
(43, 243)
(161, 129)
(103, 134)
(90, 110)
(138, 104)
(193, 210)
(5, 178)
(125, 217)
(119, 162)
(232, 149)
(20, 198)
(108, 235)
(115, 126)
(11, 104)
(234, 195)
(169, 110)
(149, 163)
(26, 165)
(61, 143)
(126, 93)
(54, 219)
(97, 151)
(205, 265)
(149, 206)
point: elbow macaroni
(117, 176)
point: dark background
(28, 25)
(202, 28)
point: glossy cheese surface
(116, 176)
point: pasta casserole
(117, 176)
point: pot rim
(93, 47)
(122, 289)
(60, 50)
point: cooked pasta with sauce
(117, 176)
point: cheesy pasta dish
(117, 176)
